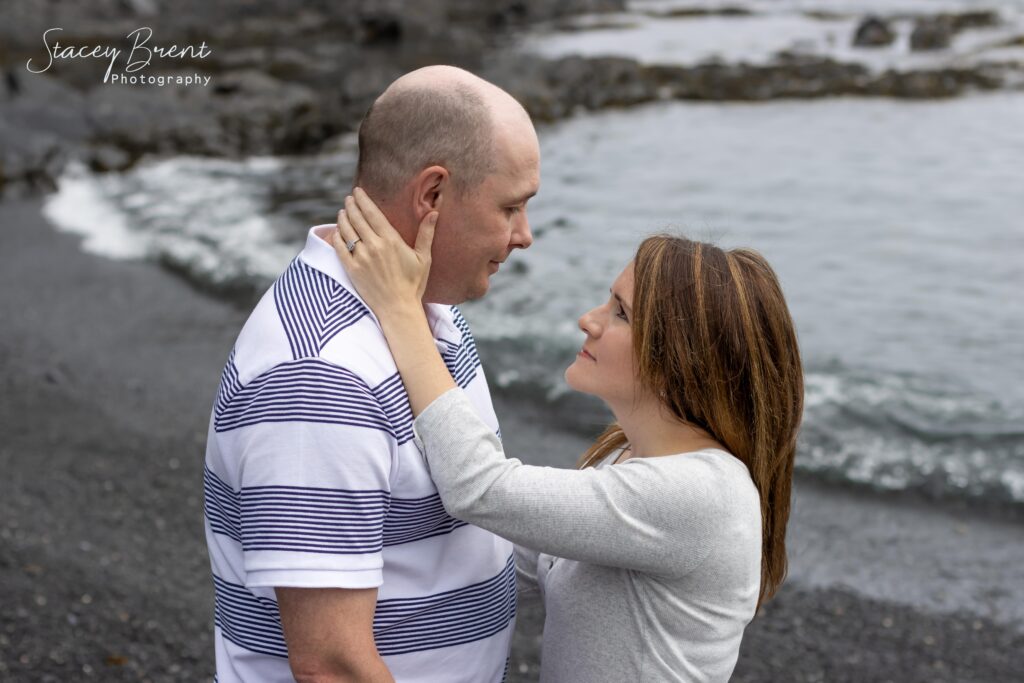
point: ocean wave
(885, 431)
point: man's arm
(329, 632)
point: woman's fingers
(358, 221)
(425, 236)
(346, 234)
(373, 215)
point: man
(333, 558)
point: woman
(656, 553)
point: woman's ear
(432, 184)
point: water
(897, 229)
(821, 27)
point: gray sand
(109, 370)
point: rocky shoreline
(287, 82)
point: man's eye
(512, 210)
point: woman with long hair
(653, 555)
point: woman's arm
(656, 515)
(527, 583)
(629, 516)
(391, 279)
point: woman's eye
(622, 313)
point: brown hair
(713, 336)
(410, 128)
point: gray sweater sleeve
(656, 515)
(527, 586)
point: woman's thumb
(425, 236)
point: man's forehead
(515, 182)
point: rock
(1017, 41)
(692, 12)
(873, 32)
(29, 159)
(551, 89)
(975, 19)
(259, 114)
(934, 83)
(104, 158)
(381, 28)
(801, 77)
(503, 14)
(554, 89)
(41, 128)
(149, 120)
(286, 80)
(934, 33)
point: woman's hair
(712, 336)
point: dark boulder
(41, 127)
(973, 19)
(105, 158)
(552, 89)
(931, 33)
(873, 32)
(29, 158)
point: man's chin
(478, 290)
(475, 290)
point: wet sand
(109, 370)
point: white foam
(79, 206)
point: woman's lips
(586, 354)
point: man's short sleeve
(313, 483)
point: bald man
(333, 558)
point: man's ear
(432, 184)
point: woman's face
(604, 366)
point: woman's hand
(386, 272)
(391, 278)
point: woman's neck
(652, 431)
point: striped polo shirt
(313, 480)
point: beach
(871, 151)
(110, 368)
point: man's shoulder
(307, 318)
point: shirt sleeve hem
(315, 578)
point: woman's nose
(589, 325)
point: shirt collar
(320, 254)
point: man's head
(441, 139)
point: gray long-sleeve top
(649, 569)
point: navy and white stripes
(400, 626)
(462, 359)
(313, 479)
(411, 520)
(394, 401)
(222, 506)
(320, 520)
(306, 390)
(313, 308)
(312, 390)
(451, 618)
(312, 520)
(247, 620)
(229, 384)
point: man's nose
(522, 237)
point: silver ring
(351, 244)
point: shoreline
(111, 368)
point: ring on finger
(351, 244)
